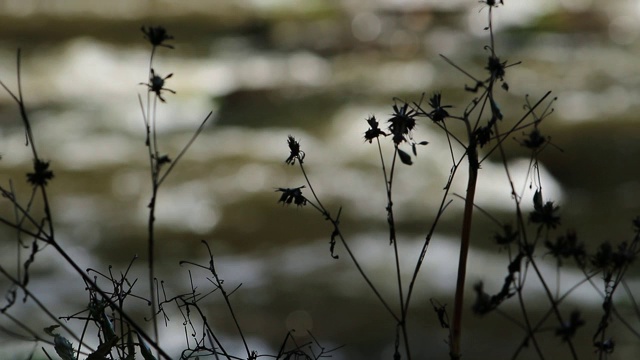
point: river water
(315, 70)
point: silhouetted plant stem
(530, 330)
(225, 295)
(393, 240)
(392, 227)
(632, 298)
(528, 247)
(548, 293)
(153, 343)
(336, 226)
(152, 146)
(212, 337)
(150, 256)
(49, 237)
(185, 148)
(38, 303)
(443, 204)
(456, 329)
(219, 286)
(33, 335)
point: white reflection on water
(185, 207)
(624, 30)
(366, 26)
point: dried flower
(609, 260)
(567, 247)
(374, 131)
(508, 235)
(535, 140)
(483, 134)
(156, 84)
(438, 113)
(157, 35)
(295, 152)
(603, 257)
(606, 346)
(544, 214)
(483, 304)
(568, 329)
(41, 173)
(492, 3)
(292, 196)
(402, 122)
(163, 160)
(496, 68)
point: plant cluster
(526, 238)
(112, 295)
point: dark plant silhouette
(476, 133)
(111, 294)
(156, 85)
(486, 128)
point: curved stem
(336, 226)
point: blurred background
(314, 69)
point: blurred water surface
(314, 69)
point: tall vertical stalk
(456, 329)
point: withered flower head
(41, 173)
(496, 68)
(295, 152)
(544, 213)
(156, 84)
(438, 113)
(534, 140)
(565, 247)
(569, 328)
(402, 122)
(157, 35)
(374, 131)
(292, 196)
